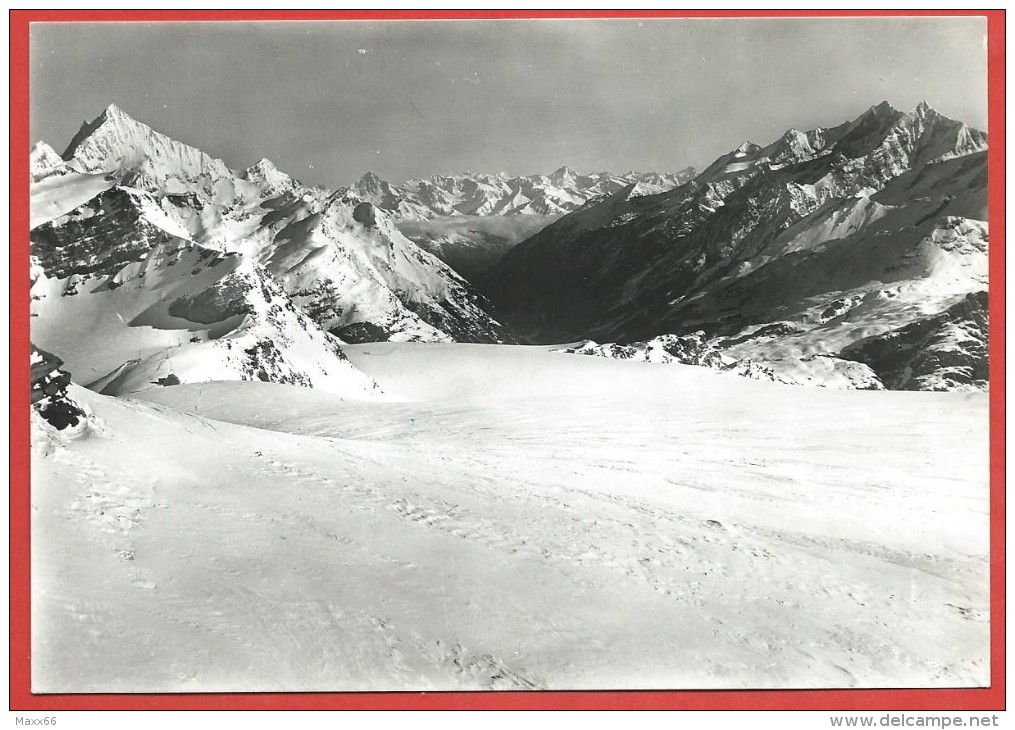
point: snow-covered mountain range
(853, 256)
(471, 220)
(154, 262)
(560, 192)
(796, 255)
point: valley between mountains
(712, 430)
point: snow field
(513, 518)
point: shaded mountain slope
(833, 235)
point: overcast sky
(329, 101)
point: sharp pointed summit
(113, 112)
(115, 142)
(926, 111)
(884, 108)
(370, 180)
(44, 161)
(562, 176)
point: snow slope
(512, 519)
(129, 305)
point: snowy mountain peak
(370, 181)
(795, 140)
(43, 161)
(941, 137)
(263, 166)
(223, 275)
(928, 115)
(116, 142)
(373, 189)
(562, 176)
(43, 152)
(876, 120)
(885, 108)
(265, 172)
(115, 113)
(112, 116)
(747, 148)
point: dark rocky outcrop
(947, 351)
(49, 391)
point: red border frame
(991, 698)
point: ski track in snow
(519, 520)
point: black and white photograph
(509, 354)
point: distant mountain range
(471, 220)
(469, 194)
(852, 256)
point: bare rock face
(99, 237)
(225, 299)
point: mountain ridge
(140, 239)
(468, 193)
(864, 208)
(787, 255)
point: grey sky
(329, 101)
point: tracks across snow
(681, 536)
